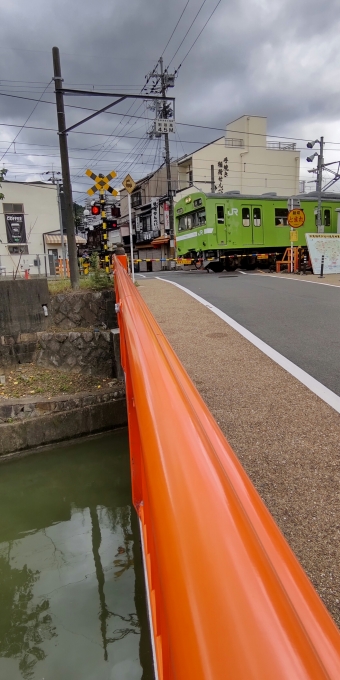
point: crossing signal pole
(102, 184)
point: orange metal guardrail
(229, 599)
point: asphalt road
(300, 320)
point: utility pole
(65, 168)
(57, 181)
(168, 166)
(318, 171)
(319, 185)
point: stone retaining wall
(83, 309)
(87, 352)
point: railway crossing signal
(101, 183)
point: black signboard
(15, 227)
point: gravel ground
(287, 439)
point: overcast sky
(274, 58)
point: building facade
(243, 160)
(30, 237)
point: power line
(26, 121)
(175, 27)
(195, 41)
(191, 25)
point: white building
(29, 229)
(244, 161)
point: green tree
(3, 172)
(78, 214)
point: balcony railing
(281, 146)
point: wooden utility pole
(65, 169)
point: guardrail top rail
(229, 599)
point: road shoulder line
(285, 278)
(313, 385)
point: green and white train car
(231, 228)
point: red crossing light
(95, 209)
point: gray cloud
(273, 58)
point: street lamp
(310, 145)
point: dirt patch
(27, 380)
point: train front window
(195, 219)
(257, 217)
(246, 217)
(281, 217)
(220, 214)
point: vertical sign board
(155, 214)
(327, 245)
(15, 228)
(166, 217)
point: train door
(327, 220)
(220, 221)
(252, 225)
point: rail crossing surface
(286, 437)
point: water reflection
(72, 600)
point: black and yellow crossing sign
(101, 183)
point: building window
(246, 217)
(257, 217)
(281, 217)
(220, 214)
(13, 207)
(136, 199)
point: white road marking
(142, 275)
(313, 385)
(297, 280)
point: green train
(229, 230)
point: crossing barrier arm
(229, 600)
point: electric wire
(200, 33)
(175, 27)
(189, 29)
(26, 121)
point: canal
(72, 596)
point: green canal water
(72, 597)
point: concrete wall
(21, 306)
(40, 422)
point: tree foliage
(3, 172)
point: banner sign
(327, 245)
(155, 214)
(15, 228)
(166, 217)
